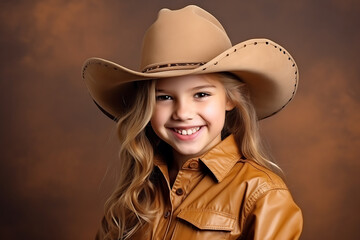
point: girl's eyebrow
(194, 88)
(204, 86)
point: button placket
(178, 191)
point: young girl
(192, 166)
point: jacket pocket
(203, 224)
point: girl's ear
(229, 105)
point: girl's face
(190, 113)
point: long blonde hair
(129, 207)
(243, 122)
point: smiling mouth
(189, 131)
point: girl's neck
(178, 160)
(174, 165)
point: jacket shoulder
(251, 172)
(258, 182)
(268, 204)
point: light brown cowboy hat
(192, 41)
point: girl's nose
(182, 111)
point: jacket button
(179, 191)
(167, 214)
(194, 165)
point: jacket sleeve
(274, 216)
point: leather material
(223, 197)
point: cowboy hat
(192, 41)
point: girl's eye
(201, 95)
(163, 98)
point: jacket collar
(221, 159)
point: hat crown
(188, 35)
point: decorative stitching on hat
(227, 54)
(169, 65)
(83, 72)
(89, 63)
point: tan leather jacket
(221, 196)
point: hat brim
(269, 71)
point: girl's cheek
(213, 110)
(158, 117)
(155, 117)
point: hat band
(172, 66)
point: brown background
(56, 146)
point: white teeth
(189, 131)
